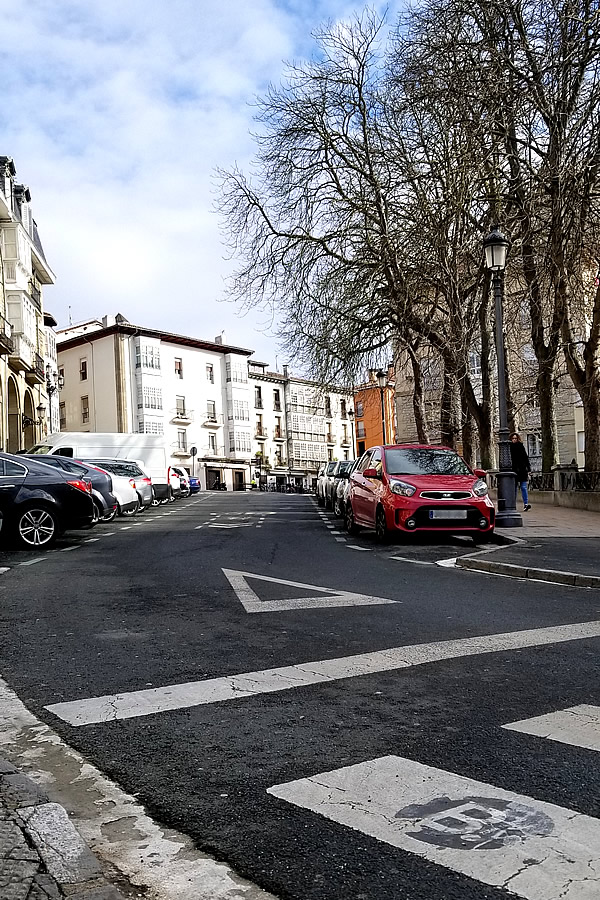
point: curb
(42, 855)
(550, 575)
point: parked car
(124, 484)
(105, 502)
(416, 487)
(133, 470)
(331, 481)
(322, 479)
(194, 484)
(184, 480)
(342, 487)
(38, 502)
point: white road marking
(231, 525)
(249, 684)
(125, 527)
(108, 533)
(577, 725)
(447, 563)
(417, 562)
(67, 549)
(32, 562)
(91, 540)
(4, 569)
(252, 602)
(533, 849)
(341, 540)
(356, 547)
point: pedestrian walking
(520, 466)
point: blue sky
(116, 113)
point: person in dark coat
(520, 466)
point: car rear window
(345, 466)
(126, 470)
(424, 461)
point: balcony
(37, 372)
(345, 442)
(258, 404)
(21, 357)
(212, 420)
(261, 433)
(277, 406)
(331, 438)
(180, 450)
(278, 435)
(36, 296)
(6, 341)
(180, 416)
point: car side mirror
(371, 473)
(481, 473)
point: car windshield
(424, 461)
(40, 448)
(345, 466)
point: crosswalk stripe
(577, 725)
(533, 849)
(234, 687)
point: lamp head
(496, 246)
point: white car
(123, 488)
(133, 471)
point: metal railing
(182, 413)
(541, 481)
(580, 481)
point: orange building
(369, 399)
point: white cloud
(116, 114)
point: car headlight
(402, 488)
(480, 488)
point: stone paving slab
(42, 855)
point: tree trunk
(591, 424)
(418, 399)
(546, 395)
(468, 435)
(448, 422)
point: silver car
(128, 473)
(342, 486)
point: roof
(167, 336)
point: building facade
(25, 338)
(225, 418)
(374, 412)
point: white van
(148, 449)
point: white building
(225, 418)
(24, 400)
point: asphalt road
(142, 604)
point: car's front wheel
(338, 507)
(36, 526)
(381, 529)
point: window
(276, 400)
(180, 406)
(240, 411)
(61, 372)
(236, 372)
(258, 398)
(210, 373)
(12, 469)
(83, 369)
(360, 430)
(346, 454)
(581, 441)
(328, 407)
(147, 356)
(182, 440)
(343, 412)
(85, 410)
(211, 411)
(150, 427)
(239, 441)
(360, 411)
(278, 427)
(150, 398)
(178, 367)
(376, 462)
(212, 443)
(475, 363)
(62, 413)
(364, 462)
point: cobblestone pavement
(42, 855)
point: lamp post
(382, 381)
(496, 247)
(351, 417)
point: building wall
(368, 417)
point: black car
(38, 503)
(105, 502)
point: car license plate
(447, 513)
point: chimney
(285, 372)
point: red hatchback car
(418, 487)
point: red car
(418, 487)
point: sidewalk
(42, 856)
(555, 544)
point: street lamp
(496, 247)
(382, 381)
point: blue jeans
(524, 494)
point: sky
(116, 114)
